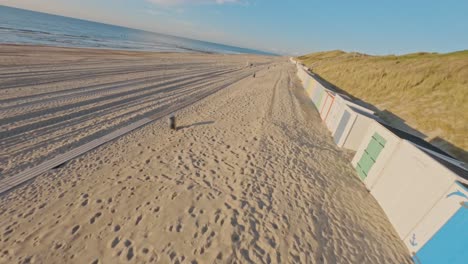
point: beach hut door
(370, 155)
(341, 127)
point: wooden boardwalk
(8, 183)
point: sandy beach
(251, 176)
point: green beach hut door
(370, 155)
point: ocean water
(18, 26)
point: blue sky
(287, 27)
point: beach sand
(251, 176)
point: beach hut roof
(434, 152)
(414, 139)
(363, 113)
(450, 164)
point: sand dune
(251, 177)
(426, 91)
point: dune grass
(428, 90)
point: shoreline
(188, 51)
(93, 33)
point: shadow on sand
(197, 124)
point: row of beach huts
(422, 189)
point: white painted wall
(409, 186)
(357, 132)
(336, 112)
(328, 101)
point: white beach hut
(416, 192)
(379, 143)
(409, 186)
(414, 182)
(301, 74)
(318, 94)
(310, 88)
(337, 109)
(351, 127)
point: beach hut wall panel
(352, 128)
(312, 87)
(316, 92)
(336, 112)
(409, 186)
(357, 131)
(324, 98)
(308, 85)
(442, 233)
(317, 95)
(307, 81)
(343, 124)
(376, 148)
(301, 74)
(308, 88)
(327, 104)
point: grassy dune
(429, 91)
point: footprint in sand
(156, 209)
(138, 220)
(204, 229)
(115, 242)
(75, 229)
(96, 216)
(191, 210)
(130, 254)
